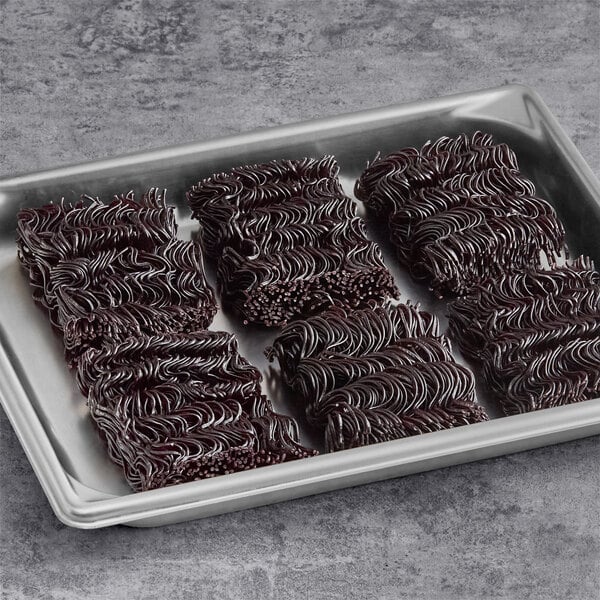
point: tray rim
(327, 471)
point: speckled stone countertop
(83, 80)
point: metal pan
(49, 415)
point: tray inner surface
(36, 353)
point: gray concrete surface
(88, 79)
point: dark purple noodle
(375, 375)
(185, 406)
(460, 212)
(287, 241)
(535, 333)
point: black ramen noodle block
(535, 334)
(460, 212)
(287, 241)
(375, 375)
(179, 407)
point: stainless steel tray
(50, 417)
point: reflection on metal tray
(49, 415)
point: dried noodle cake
(375, 375)
(459, 211)
(179, 407)
(536, 334)
(106, 271)
(287, 241)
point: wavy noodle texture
(63, 232)
(343, 269)
(218, 202)
(351, 427)
(331, 208)
(223, 218)
(400, 389)
(199, 344)
(536, 334)
(287, 241)
(430, 205)
(127, 320)
(401, 160)
(172, 274)
(476, 252)
(179, 407)
(315, 376)
(565, 373)
(39, 225)
(248, 177)
(397, 189)
(351, 333)
(375, 375)
(460, 212)
(386, 189)
(151, 458)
